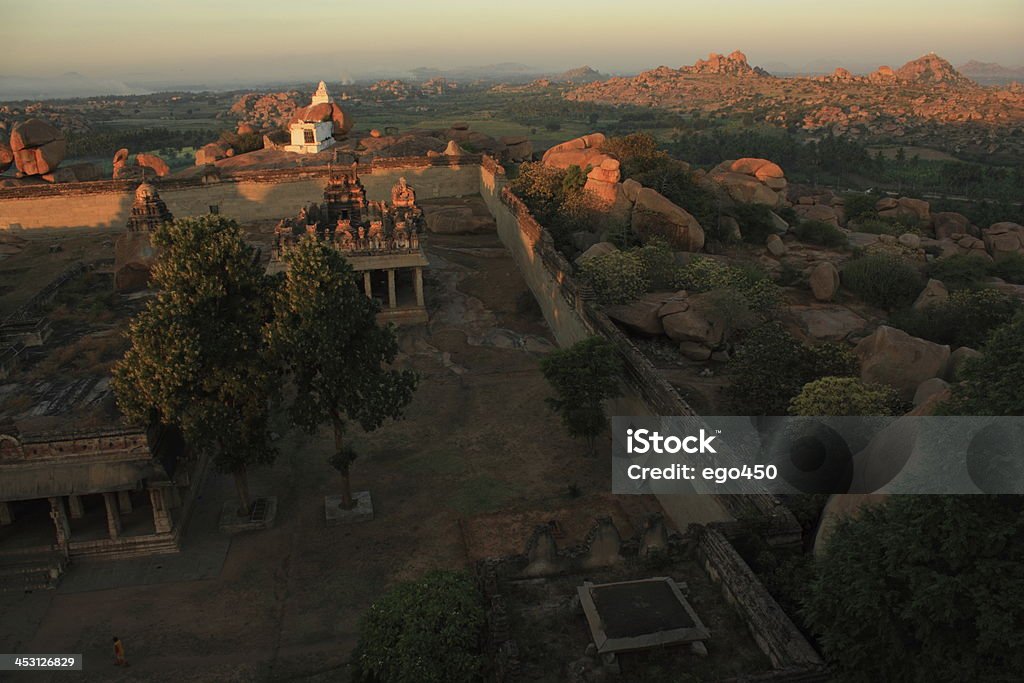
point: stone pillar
(392, 297)
(113, 515)
(124, 501)
(6, 516)
(60, 522)
(367, 286)
(418, 282)
(75, 507)
(161, 517)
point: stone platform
(336, 516)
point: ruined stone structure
(107, 492)
(134, 253)
(380, 240)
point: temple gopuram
(134, 254)
(381, 240)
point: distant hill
(990, 73)
(582, 74)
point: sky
(213, 42)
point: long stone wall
(572, 317)
(245, 195)
(775, 633)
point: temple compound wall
(571, 315)
(243, 195)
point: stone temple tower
(321, 96)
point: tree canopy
(197, 357)
(924, 588)
(325, 332)
(583, 376)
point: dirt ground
(477, 439)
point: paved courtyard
(284, 604)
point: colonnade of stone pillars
(392, 289)
(161, 515)
(6, 516)
(113, 515)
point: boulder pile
(752, 181)
(38, 147)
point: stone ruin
(134, 253)
(350, 222)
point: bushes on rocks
(821, 233)
(993, 383)
(859, 207)
(838, 396)
(755, 220)
(427, 631)
(959, 270)
(771, 366)
(923, 588)
(883, 280)
(964, 319)
(616, 277)
(704, 274)
(558, 201)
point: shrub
(755, 220)
(923, 588)
(659, 262)
(857, 206)
(959, 270)
(838, 396)
(821, 233)
(427, 631)
(617, 277)
(883, 280)
(704, 274)
(877, 226)
(1010, 268)
(994, 383)
(965, 319)
(771, 366)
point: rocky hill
(926, 101)
(582, 74)
(990, 73)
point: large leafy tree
(197, 359)
(325, 332)
(425, 631)
(583, 376)
(924, 588)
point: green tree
(325, 332)
(994, 383)
(425, 631)
(197, 358)
(924, 588)
(583, 376)
(839, 396)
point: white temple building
(309, 136)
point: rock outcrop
(653, 215)
(1004, 239)
(891, 356)
(38, 147)
(751, 181)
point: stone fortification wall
(243, 195)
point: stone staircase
(36, 571)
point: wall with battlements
(244, 195)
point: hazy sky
(208, 41)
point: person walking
(119, 653)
